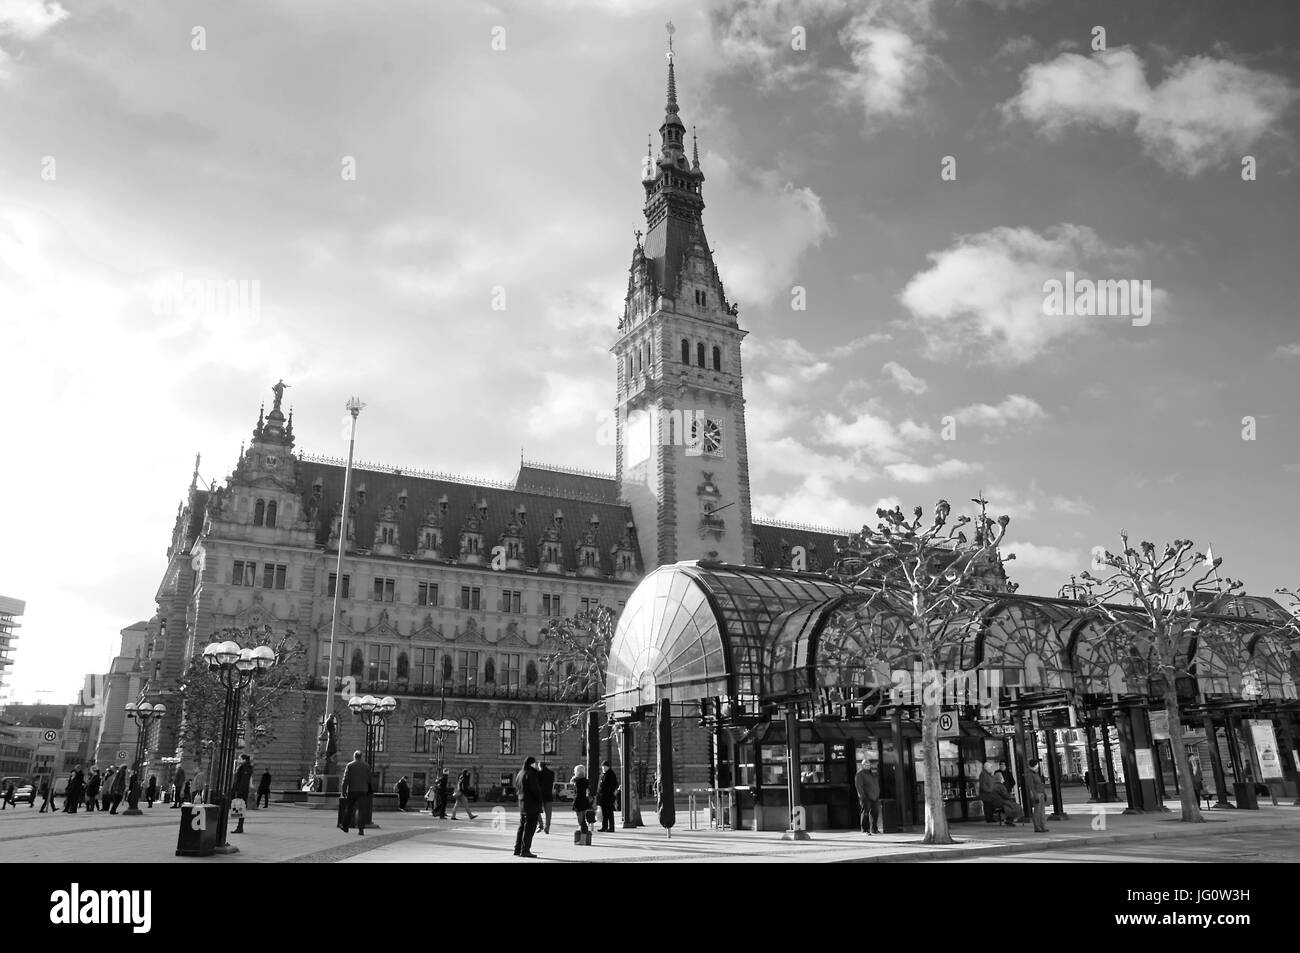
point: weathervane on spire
(671, 30)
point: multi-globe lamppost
(145, 715)
(374, 713)
(236, 667)
(440, 728)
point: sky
(432, 205)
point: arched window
(465, 737)
(717, 358)
(509, 733)
(686, 351)
(699, 354)
(270, 513)
(259, 513)
(550, 738)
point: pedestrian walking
(264, 791)
(46, 797)
(199, 786)
(868, 788)
(1037, 796)
(72, 797)
(106, 792)
(462, 796)
(581, 797)
(430, 794)
(178, 785)
(151, 790)
(92, 790)
(606, 795)
(403, 789)
(546, 777)
(133, 791)
(528, 784)
(7, 798)
(239, 788)
(440, 798)
(355, 788)
(117, 790)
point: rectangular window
(428, 594)
(551, 606)
(465, 737)
(381, 737)
(423, 670)
(323, 657)
(587, 604)
(385, 590)
(244, 573)
(420, 739)
(380, 665)
(471, 597)
(347, 585)
(466, 669)
(511, 600)
(510, 671)
(273, 576)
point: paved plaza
(296, 833)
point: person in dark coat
(441, 790)
(528, 784)
(7, 796)
(151, 789)
(186, 794)
(546, 777)
(581, 796)
(115, 791)
(606, 796)
(995, 797)
(132, 790)
(72, 797)
(1037, 797)
(178, 785)
(462, 796)
(263, 791)
(92, 790)
(46, 797)
(108, 788)
(239, 788)
(403, 789)
(868, 788)
(355, 787)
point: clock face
(706, 435)
(272, 461)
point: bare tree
(577, 658)
(263, 702)
(927, 577)
(1155, 622)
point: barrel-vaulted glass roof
(699, 630)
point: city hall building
(448, 583)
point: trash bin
(1245, 795)
(198, 833)
(891, 821)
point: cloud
(1205, 112)
(776, 222)
(983, 296)
(905, 379)
(29, 19)
(1034, 556)
(1016, 408)
(1287, 350)
(928, 473)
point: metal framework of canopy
(699, 630)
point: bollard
(690, 807)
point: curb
(1030, 847)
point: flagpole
(354, 408)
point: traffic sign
(50, 736)
(949, 726)
(122, 756)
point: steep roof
(384, 488)
(773, 542)
(561, 481)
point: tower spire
(695, 151)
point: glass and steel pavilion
(698, 630)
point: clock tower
(682, 461)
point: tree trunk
(1191, 806)
(936, 821)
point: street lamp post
(145, 716)
(236, 667)
(440, 728)
(322, 764)
(374, 713)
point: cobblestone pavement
(296, 833)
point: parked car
(564, 791)
(24, 790)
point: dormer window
(388, 536)
(442, 504)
